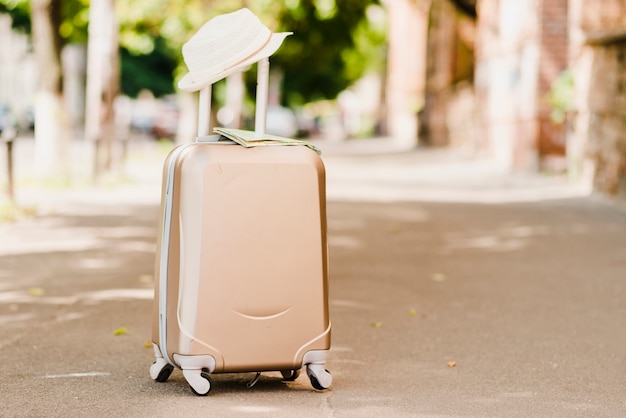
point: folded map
(254, 139)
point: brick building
(488, 67)
(448, 116)
(597, 139)
(406, 68)
(521, 49)
(535, 84)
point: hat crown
(225, 44)
(225, 41)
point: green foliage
(19, 10)
(334, 41)
(75, 14)
(151, 37)
(152, 70)
(561, 96)
(75, 21)
(331, 47)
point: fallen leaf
(147, 344)
(452, 364)
(36, 291)
(120, 331)
(438, 277)
(378, 324)
(412, 312)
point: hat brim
(195, 81)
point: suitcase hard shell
(241, 282)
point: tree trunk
(406, 67)
(51, 128)
(102, 83)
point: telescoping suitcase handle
(262, 91)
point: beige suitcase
(241, 281)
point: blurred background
(536, 86)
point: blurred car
(156, 117)
(165, 123)
(29, 118)
(281, 121)
(5, 115)
(7, 122)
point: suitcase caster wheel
(200, 383)
(290, 375)
(320, 378)
(161, 370)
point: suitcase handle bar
(204, 110)
(262, 93)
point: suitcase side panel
(167, 263)
(157, 263)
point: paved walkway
(456, 291)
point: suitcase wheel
(200, 383)
(320, 378)
(161, 370)
(290, 375)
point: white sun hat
(226, 44)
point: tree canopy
(19, 11)
(334, 41)
(332, 44)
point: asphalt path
(457, 290)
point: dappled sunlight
(498, 240)
(21, 317)
(342, 224)
(5, 285)
(98, 263)
(375, 172)
(68, 245)
(49, 245)
(9, 319)
(81, 203)
(492, 243)
(70, 316)
(399, 213)
(71, 238)
(126, 231)
(350, 304)
(345, 229)
(345, 241)
(24, 296)
(79, 254)
(255, 409)
(137, 246)
(73, 375)
(119, 295)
